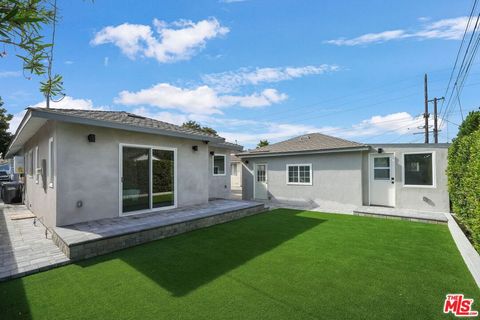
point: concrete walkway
(24, 249)
(402, 214)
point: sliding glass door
(163, 178)
(148, 178)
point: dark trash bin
(11, 192)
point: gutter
(229, 146)
(295, 153)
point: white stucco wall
(411, 197)
(39, 197)
(219, 185)
(337, 179)
(89, 172)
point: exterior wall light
(212, 153)
(195, 148)
(91, 137)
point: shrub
(464, 175)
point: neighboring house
(235, 172)
(84, 165)
(329, 172)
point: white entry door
(382, 180)
(260, 182)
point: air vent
(135, 116)
(304, 137)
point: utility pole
(435, 121)
(435, 118)
(426, 115)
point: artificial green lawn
(285, 264)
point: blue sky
(257, 69)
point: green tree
(21, 29)
(5, 136)
(470, 124)
(191, 124)
(263, 143)
(464, 175)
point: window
(26, 163)
(418, 169)
(234, 171)
(261, 173)
(381, 168)
(147, 178)
(51, 164)
(30, 163)
(299, 174)
(35, 166)
(219, 165)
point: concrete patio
(89, 239)
(402, 214)
(24, 247)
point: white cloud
(68, 62)
(227, 81)
(10, 74)
(66, 103)
(448, 29)
(199, 100)
(175, 118)
(106, 61)
(373, 128)
(179, 40)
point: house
(84, 165)
(329, 172)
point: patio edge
(468, 252)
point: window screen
(418, 169)
(299, 174)
(219, 165)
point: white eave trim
(296, 153)
(227, 146)
(11, 148)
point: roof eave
(306, 152)
(229, 146)
(11, 147)
(121, 126)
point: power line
(459, 50)
(464, 68)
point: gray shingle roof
(127, 118)
(305, 143)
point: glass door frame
(150, 178)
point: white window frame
(298, 165)
(120, 175)
(434, 171)
(35, 165)
(224, 164)
(51, 163)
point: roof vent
(307, 137)
(135, 116)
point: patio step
(401, 214)
(86, 240)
